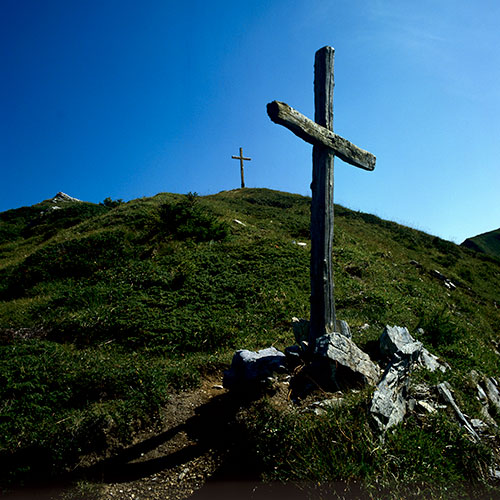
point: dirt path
(196, 453)
(177, 461)
(170, 462)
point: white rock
(426, 406)
(63, 197)
(479, 425)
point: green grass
(107, 309)
(429, 458)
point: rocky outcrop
(335, 361)
(337, 364)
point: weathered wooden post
(326, 145)
(241, 158)
(322, 319)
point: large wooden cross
(326, 145)
(241, 158)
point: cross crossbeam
(282, 114)
(326, 145)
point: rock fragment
(492, 392)
(445, 392)
(347, 363)
(388, 406)
(398, 338)
(342, 327)
(249, 368)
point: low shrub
(187, 219)
(438, 328)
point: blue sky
(126, 99)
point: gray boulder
(398, 339)
(249, 368)
(347, 363)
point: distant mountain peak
(60, 196)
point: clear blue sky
(128, 98)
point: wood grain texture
(282, 114)
(322, 319)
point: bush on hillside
(108, 202)
(439, 328)
(187, 219)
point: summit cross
(326, 145)
(241, 158)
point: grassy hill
(488, 243)
(107, 310)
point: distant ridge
(488, 243)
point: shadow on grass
(214, 428)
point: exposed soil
(175, 461)
(170, 461)
(195, 453)
(192, 452)
(193, 445)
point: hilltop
(488, 243)
(109, 312)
